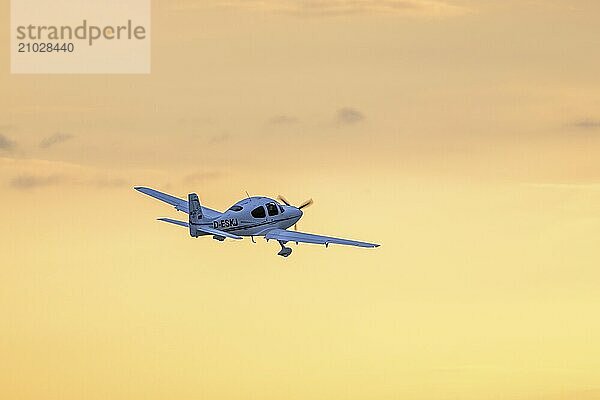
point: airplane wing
(295, 236)
(208, 230)
(179, 204)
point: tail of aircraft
(195, 212)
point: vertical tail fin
(195, 212)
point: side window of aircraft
(236, 208)
(272, 209)
(280, 208)
(259, 212)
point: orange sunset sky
(462, 135)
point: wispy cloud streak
(349, 116)
(334, 8)
(28, 181)
(5, 143)
(55, 139)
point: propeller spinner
(307, 203)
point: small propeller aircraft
(253, 216)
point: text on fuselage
(225, 223)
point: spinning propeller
(307, 203)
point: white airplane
(253, 216)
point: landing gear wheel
(285, 251)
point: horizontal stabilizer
(174, 221)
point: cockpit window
(280, 208)
(259, 212)
(236, 208)
(272, 209)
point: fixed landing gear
(285, 251)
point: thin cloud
(7, 127)
(334, 8)
(349, 116)
(31, 181)
(27, 182)
(283, 120)
(104, 182)
(586, 123)
(200, 177)
(5, 143)
(564, 186)
(55, 139)
(218, 139)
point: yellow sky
(462, 135)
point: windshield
(272, 209)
